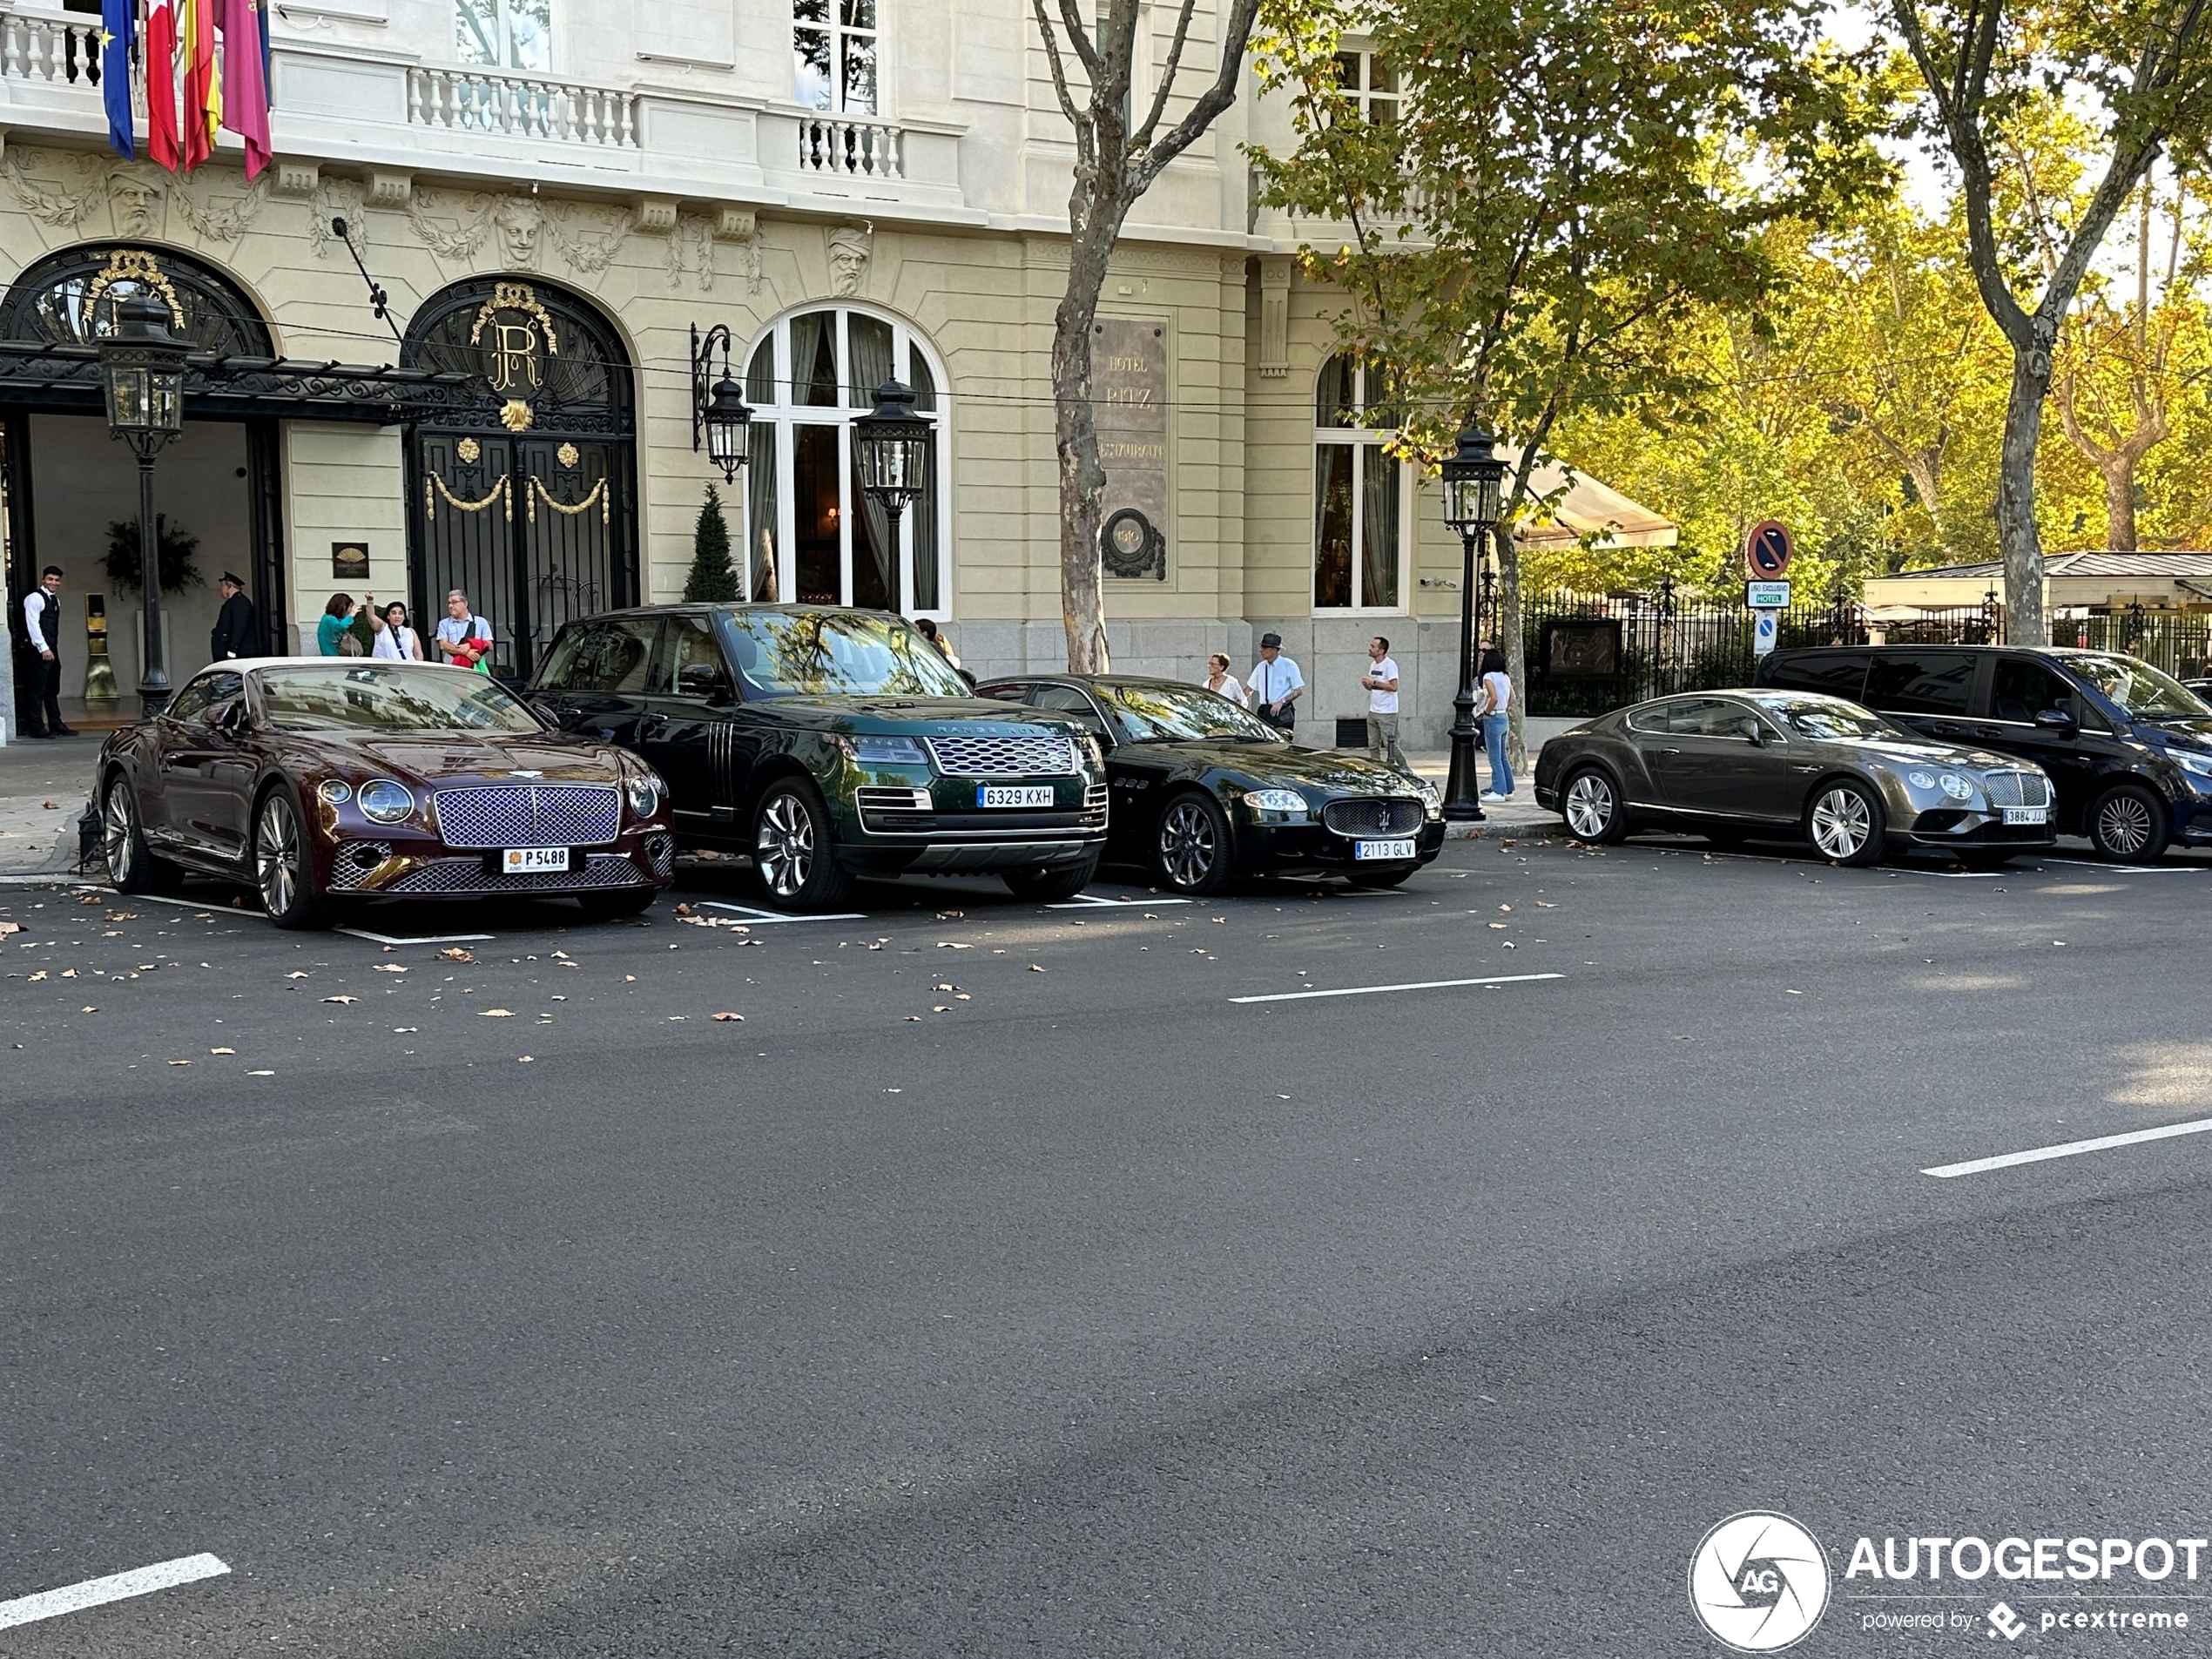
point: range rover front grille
(1041, 754)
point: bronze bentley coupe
(327, 780)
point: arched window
(69, 299)
(1360, 513)
(810, 536)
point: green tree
(1566, 190)
(713, 579)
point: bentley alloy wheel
(1193, 848)
(119, 835)
(280, 864)
(1846, 825)
(1592, 808)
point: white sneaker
(1491, 794)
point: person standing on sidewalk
(41, 638)
(463, 638)
(1381, 681)
(236, 632)
(1221, 681)
(1274, 683)
(1497, 698)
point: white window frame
(839, 32)
(1362, 94)
(504, 63)
(1358, 439)
(786, 416)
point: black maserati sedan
(1738, 766)
(1204, 793)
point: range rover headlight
(1093, 749)
(1287, 802)
(645, 792)
(386, 802)
(1920, 779)
(886, 751)
(335, 792)
(1957, 787)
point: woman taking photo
(395, 639)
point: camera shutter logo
(1758, 1582)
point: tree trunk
(2016, 533)
(1082, 481)
(1505, 627)
(2120, 503)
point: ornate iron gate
(528, 507)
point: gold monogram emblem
(138, 267)
(522, 334)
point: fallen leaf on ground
(945, 987)
(7, 927)
(947, 944)
(53, 806)
(683, 910)
(911, 1019)
(295, 974)
(180, 1062)
(88, 1009)
(341, 998)
(952, 915)
(525, 1059)
(389, 968)
(260, 1074)
(398, 1029)
(496, 1013)
(629, 979)
(222, 1051)
(727, 1017)
(456, 955)
(1497, 924)
(1034, 968)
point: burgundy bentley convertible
(321, 780)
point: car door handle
(1802, 768)
(1671, 751)
(1948, 729)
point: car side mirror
(703, 680)
(546, 712)
(2054, 720)
(1752, 734)
(232, 719)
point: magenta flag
(246, 90)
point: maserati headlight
(385, 801)
(886, 752)
(1288, 802)
(1920, 779)
(1432, 798)
(1957, 787)
(645, 792)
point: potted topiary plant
(177, 552)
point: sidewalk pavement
(44, 785)
(1516, 814)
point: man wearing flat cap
(235, 633)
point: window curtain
(760, 512)
(922, 538)
(1379, 531)
(868, 341)
(814, 359)
(878, 523)
(1332, 526)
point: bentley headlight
(645, 792)
(1288, 802)
(1920, 779)
(888, 751)
(1957, 787)
(335, 792)
(1432, 798)
(385, 801)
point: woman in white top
(1218, 678)
(395, 639)
(1497, 692)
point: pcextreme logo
(1758, 1582)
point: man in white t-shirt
(1381, 681)
(1273, 685)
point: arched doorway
(811, 534)
(524, 498)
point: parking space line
(2131, 869)
(1086, 901)
(1416, 985)
(430, 939)
(763, 917)
(116, 1587)
(2070, 1149)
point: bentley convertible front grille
(502, 815)
(1043, 754)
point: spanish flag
(203, 93)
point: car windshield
(388, 698)
(839, 654)
(1178, 713)
(1829, 718)
(2136, 686)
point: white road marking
(431, 939)
(116, 1587)
(2070, 1149)
(2132, 869)
(1086, 901)
(1417, 985)
(763, 917)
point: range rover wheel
(132, 865)
(282, 871)
(2127, 824)
(1052, 885)
(1192, 847)
(1591, 807)
(794, 849)
(1844, 824)
(613, 906)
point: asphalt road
(1079, 1309)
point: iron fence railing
(2179, 642)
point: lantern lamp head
(142, 371)
(1472, 475)
(891, 448)
(728, 420)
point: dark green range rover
(830, 745)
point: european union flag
(118, 24)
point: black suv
(2128, 748)
(831, 744)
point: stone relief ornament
(61, 206)
(691, 248)
(220, 219)
(134, 201)
(850, 246)
(519, 220)
(584, 249)
(338, 198)
(455, 238)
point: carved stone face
(518, 218)
(135, 201)
(848, 260)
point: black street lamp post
(719, 417)
(142, 369)
(891, 450)
(1472, 477)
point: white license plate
(1383, 850)
(1014, 794)
(525, 861)
(2027, 814)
